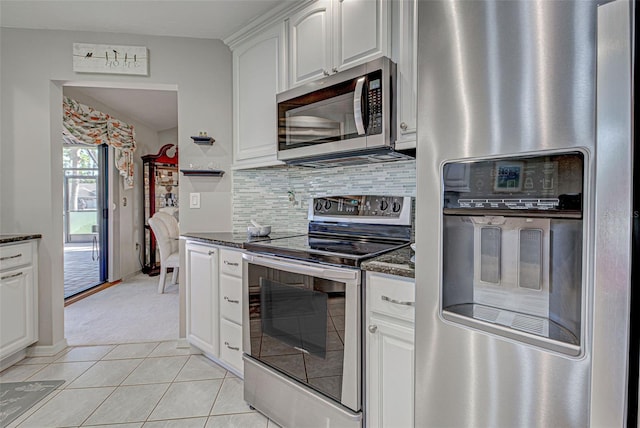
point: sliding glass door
(85, 217)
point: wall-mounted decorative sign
(90, 58)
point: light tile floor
(134, 385)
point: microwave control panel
(374, 102)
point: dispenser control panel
(533, 183)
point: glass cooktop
(332, 250)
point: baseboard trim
(183, 343)
(12, 359)
(46, 350)
(131, 275)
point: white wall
(34, 66)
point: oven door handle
(303, 268)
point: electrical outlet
(137, 246)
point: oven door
(304, 323)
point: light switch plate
(194, 200)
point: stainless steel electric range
(302, 361)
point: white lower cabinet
(202, 297)
(18, 297)
(214, 302)
(231, 295)
(231, 344)
(389, 350)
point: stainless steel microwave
(345, 118)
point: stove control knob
(396, 206)
(384, 205)
(318, 205)
(327, 205)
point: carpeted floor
(131, 311)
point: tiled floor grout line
(174, 380)
(168, 388)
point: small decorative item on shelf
(203, 138)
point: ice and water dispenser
(512, 248)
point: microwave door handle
(357, 106)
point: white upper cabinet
(361, 29)
(332, 35)
(310, 42)
(259, 73)
(404, 54)
(306, 42)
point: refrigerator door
(500, 78)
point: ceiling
(157, 110)
(209, 19)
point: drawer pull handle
(211, 253)
(398, 302)
(231, 300)
(230, 263)
(233, 348)
(10, 257)
(11, 276)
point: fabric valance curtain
(94, 127)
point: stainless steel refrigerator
(525, 214)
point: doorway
(85, 217)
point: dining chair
(166, 230)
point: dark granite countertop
(231, 239)
(396, 262)
(6, 238)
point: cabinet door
(231, 344)
(202, 297)
(360, 32)
(390, 373)
(17, 329)
(310, 43)
(405, 55)
(259, 73)
(231, 297)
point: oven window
(297, 326)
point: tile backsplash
(279, 196)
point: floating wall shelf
(203, 172)
(203, 140)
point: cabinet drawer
(231, 262)
(15, 255)
(231, 298)
(231, 344)
(391, 295)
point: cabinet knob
(334, 69)
(211, 253)
(403, 126)
(373, 328)
(325, 72)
